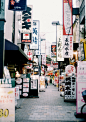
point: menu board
(7, 104)
(34, 84)
(70, 88)
(19, 84)
(25, 87)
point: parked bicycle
(83, 108)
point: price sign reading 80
(4, 113)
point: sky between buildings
(47, 11)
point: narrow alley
(49, 107)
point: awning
(13, 54)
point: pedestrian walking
(46, 82)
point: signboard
(70, 88)
(42, 82)
(35, 42)
(26, 37)
(53, 50)
(81, 84)
(70, 69)
(7, 104)
(29, 54)
(44, 59)
(27, 24)
(67, 17)
(55, 65)
(2, 9)
(68, 46)
(17, 5)
(67, 29)
(60, 43)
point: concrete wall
(9, 22)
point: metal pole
(56, 42)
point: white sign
(60, 43)
(29, 54)
(35, 41)
(81, 71)
(68, 46)
(67, 17)
(7, 104)
(70, 69)
(44, 59)
(17, 93)
(26, 36)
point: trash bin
(84, 95)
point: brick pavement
(49, 107)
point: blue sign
(17, 5)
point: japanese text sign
(7, 104)
(35, 37)
(60, 43)
(70, 69)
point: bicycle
(83, 108)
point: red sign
(67, 17)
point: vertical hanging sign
(35, 37)
(67, 29)
(60, 43)
(27, 22)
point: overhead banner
(27, 25)
(67, 29)
(60, 43)
(17, 5)
(35, 37)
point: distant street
(49, 107)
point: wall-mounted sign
(26, 37)
(17, 5)
(35, 37)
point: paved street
(49, 107)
